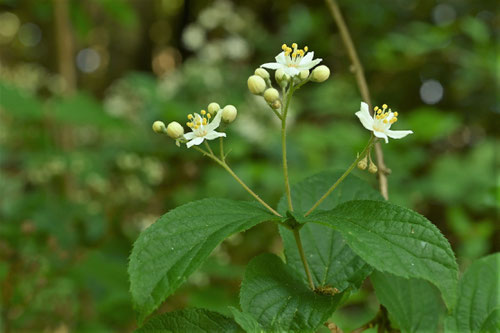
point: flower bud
(320, 74)
(229, 113)
(372, 168)
(213, 108)
(281, 77)
(256, 84)
(363, 164)
(271, 95)
(304, 74)
(262, 73)
(175, 130)
(276, 104)
(159, 126)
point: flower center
(197, 122)
(294, 53)
(384, 115)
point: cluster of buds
(202, 125)
(367, 162)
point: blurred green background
(82, 173)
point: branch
(363, 87)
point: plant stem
(347, 172)
(231, 172)
(363, 87)
(296, 234)
(222, 157)
(283, 146)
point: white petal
(381, 135)
(365, 118)
(189, 136)
(307, 58)
(214, 123)
(281, 58)
(214, 135)
(291, 71)
(364, 107)
(272, 65)
(311, 64)
(195, 141)
(397, 134)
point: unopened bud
(271, 95)
(276, 104)
(304, 74)
(213, 108)
(372, 168)
(256, 84)
(175, 130)
(229, 113)
(159, 126)
(363, 164)
(320, 74)
(262, 73)
(281, 77)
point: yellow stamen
(190, 116)
(379, 111)
(198, 123)
(209, 116)
(375, 108)
(385, 121)
(204, 121)
(396, 114)
(294, 45)
(203, 112)
(189, 124)
(384, 106)
(306, 48)
(284, 47)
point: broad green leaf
(478, 303)
(190, 320)
(396, 240)
(273, 294)
(331, 261)
(246, 321)
(170, 250)
(414, 304)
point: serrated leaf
(279, 300)
(478, 302)
(190, 320)
(167, 252)
(331, 261)
(396, 240)
(246, 321)
(414, 304)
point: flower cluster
(203, 125)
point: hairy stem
(363, 87)
(231, 172)
(296, 234)
(347, 172)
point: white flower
(381, 122)
(202, 129)
(292, 61)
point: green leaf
(396, 240)
(478, 304)
(246, 321)
(274, 295)
(190, 320)
(171, 249)
(331, 261)
(414, 304)
(20, 103)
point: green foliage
(331, 260)
(170, 250)
(414, 304)
(190, 320)
(478, 303)
(396, 240)
(246, 321)
(280, 301)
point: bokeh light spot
(30, 34)
(88, 60)
(431, 92)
